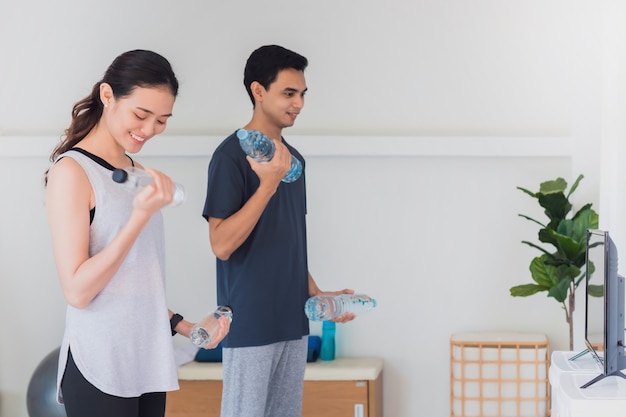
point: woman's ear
(106, 94)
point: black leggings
(82, 399)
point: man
(257, 230)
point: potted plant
(559, 271)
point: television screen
(594, 317)
(604, 317)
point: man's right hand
(272, 172)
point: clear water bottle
(328, 307)
(135, 179)
(261, 148)
(204, 331)
(327, 350)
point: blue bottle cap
(120, 176)
(328, 325)
(242, 134)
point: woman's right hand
(157, 194)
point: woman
(117, 355)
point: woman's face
(136, 118)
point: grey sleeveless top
(121, 342)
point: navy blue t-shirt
(265, 280)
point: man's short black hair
(266, 62)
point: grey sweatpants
(264, 381)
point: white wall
(425, 222)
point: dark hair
(132, 69)
(266, 62)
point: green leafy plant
(560, 270)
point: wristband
(176, 318)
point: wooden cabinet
(345, 387)
(195, 399)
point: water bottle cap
(120, 176)
(242, 134)
(328, 325)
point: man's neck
(271, 132)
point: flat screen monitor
(604, 316)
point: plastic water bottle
(261, 148)
(136, 179)
(204, 331)
(327, 350)
(328, 307)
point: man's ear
(257, 91)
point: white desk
(560, 364)
(606, 398)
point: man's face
(282, 101)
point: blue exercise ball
(41, 397)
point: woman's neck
(104, 145)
